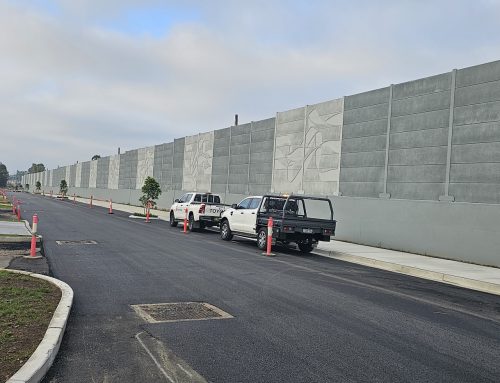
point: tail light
(288, 229)
(327, 232)
(202, 209)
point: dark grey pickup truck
(304, 220)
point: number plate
(308, 231)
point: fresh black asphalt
(296, 318)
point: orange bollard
(185, 220)
(18, 212)
(33, 236)
(110, 207)
(74, 198)
(269, 235)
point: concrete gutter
(39, 363)
(483, 286)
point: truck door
(238, 215)
(181, 206)
(250, 216)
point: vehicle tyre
(262, 238)
(305, 247)
(225, 231)
(191, 222)
(173, 222)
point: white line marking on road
(185, 371)
(154, 359)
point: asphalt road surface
(294, 318)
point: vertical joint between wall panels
(447, 197)
(249, 156)
(301, 191)
(274, 153)
(387, 144)
(229, 159)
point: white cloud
(73, 86)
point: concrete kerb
(467, 283)
(41, 360)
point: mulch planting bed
(26, 308)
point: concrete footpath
(475, 277)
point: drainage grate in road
(81, 242)
(177, 312)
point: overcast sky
(79, 78)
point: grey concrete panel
(365, 129)
(178, 163)
(361, 189)
(262, 158)
(238, 188)
(362, 174)
(477, 94)
(240, 139)
(479, 172)
(128, 170)
(222, 134)
(363, 144)
(221, 151)
(482, 132)
(422, 227)
(256, 189)
(290, 128)
(415, 191)
(237, 170)
(291, 115)
(437, 83)
(72, 176)
(419, 156)
(420, 138)
(354, 160)
(218, 188)
(220, 164)
(238, 130)
(240, 149)
(472, 114)
(421, 104)
(478, 74)
(428, 120)
(260, 179)
(102, 173)
(476, 193)
(239, 159)
(267, 124)
(198, 155)
(162, 167)
(262, 147)
(219, 179)
(472, 153)
(367, 113)
(373, 97)
(263, 135)
(416, 174)
(85, 174)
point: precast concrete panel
(364, 140)
(220, 162)
(128, 170)
(178, 164)
(239, 159)
(93, 174)
(475, 159)
(197, 169)
(145, 164)
(51, 178)
(113, 171)
(67, 176)
(78, 176)
(85, 175)
(163, 162)
(102, 173)
(72, 176)
(261, 156)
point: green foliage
(95, 157)
(36, 168)
(151, 191)
(63, 187)
(4, 175)
(38, 185)
(27, 187)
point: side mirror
(234, 206)
(176, 200)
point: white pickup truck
(203, 210)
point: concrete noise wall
(430, 144)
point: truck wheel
(262, 238)
(305, 247)
(225, 231)
(173, 222)
(191, 222)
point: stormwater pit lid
(179, 312)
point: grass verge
(26, 308)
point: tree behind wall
(4, 175)
(36, 168)
(63, 187)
